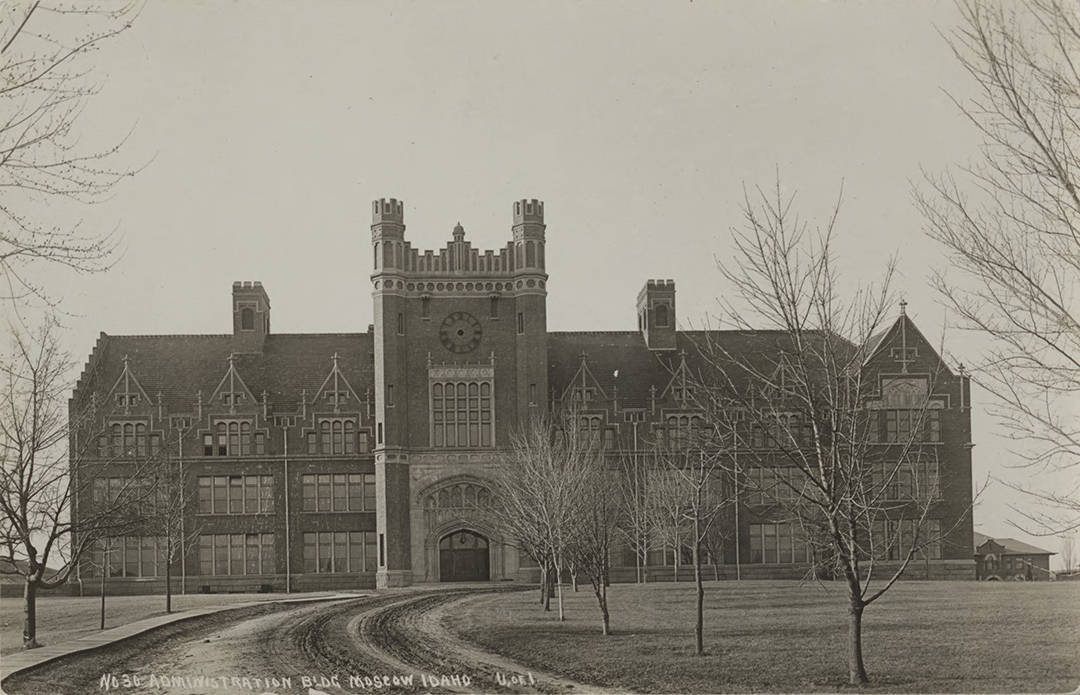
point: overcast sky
(268, 127)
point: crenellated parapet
(522, 257)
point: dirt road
(383, 643)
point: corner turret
(388, 232)
(529, 234)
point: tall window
(339, 551)
(236, 494)
(338, 492)
(907, 480)
(127, 556)
(660, 313)
(683, 431)
(773, 544)
(899, 426)
(893, 539)
(779, 485)
(233, 438)
(337, 436)
(237, 554)
(129, 439)
(461, 414)
(247, 319)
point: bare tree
(805, 402)
(697, 466)
(594, 522)
(45, 84)
(168, 516)
(1068, 551)
(1010, 223)
(634, 523)
(40, 480)
(539, 488)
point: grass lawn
(791, 637)
(61, 618)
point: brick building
(999, 559)
(344, 460)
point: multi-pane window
(339, 551)
(233, 438)
(906, 480)
(461, 414)
(783, 430)
(893, 539)
(899, 426)
(106, 492)
(592, 428)
(772, 544)
(128, 556)
(129, 439)
(767, 485)
(683, 431)
(336, 437)
(236, 494)
(338, 492)
(237, 554)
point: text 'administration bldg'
(356, 459)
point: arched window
(140, 439)
(245, 438)
(660, 312)
(350, 437)
(222, 439)
(117, 441)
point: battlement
(246, 285)
(654, 286)
(528, 210)
(388, 210)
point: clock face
(460, 332)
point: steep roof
(1011, 545)
(179, 367)
(624, 366)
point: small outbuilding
(1002, 559)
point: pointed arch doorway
(464, 557)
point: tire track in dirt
(387, 635)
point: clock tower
(460, 362)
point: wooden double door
(464, 557)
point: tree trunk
(856, 668)
(168, 582)
(601, 598)
(573, 579)
(104, 571)
(543, 585)
(550, 588)
(558, 588)
(715, 571)
(699, 626)
(29, 635)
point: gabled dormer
(680, 388)
(127, 396)
(336, 393)
(903, 349)
(232, 394)
(584, 391)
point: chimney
(251, 316)
(656, 314)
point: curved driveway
(392, 642)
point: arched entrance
(464, 557)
